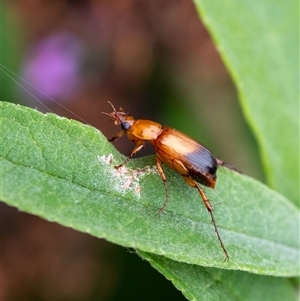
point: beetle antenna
(113, 114)
(112, 106)
(108, 114)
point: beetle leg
(163, 177)
(113, 139)
(138, 146)
(208, 206)
(225, 164)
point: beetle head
(120, 117)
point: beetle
(192, 160)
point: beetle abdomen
(198, 161)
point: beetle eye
(125, 125)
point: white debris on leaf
(105, 159)
(126, 179)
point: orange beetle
(181, 153)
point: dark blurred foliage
(153, 58)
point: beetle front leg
(138, 146)
(120, 134)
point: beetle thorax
(145, 129)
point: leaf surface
(64, 171)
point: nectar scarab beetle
(193, 161)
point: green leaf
(64, 171)
(210, 284)
(259, 43)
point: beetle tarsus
(218, 235)
(164, 179)
(124, 163)
(161, 210)
(227, 165)
(210, 210)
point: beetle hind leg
(227, 165)
(208, 206)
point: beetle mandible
(193, 161)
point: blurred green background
(157, 61)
